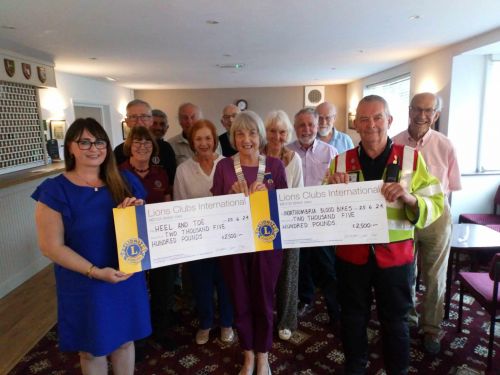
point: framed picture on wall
(125, 130)
(57, 129)
(350, 120)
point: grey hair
(306, 111)
(280, 116)
(138, 102)
(375, 98)
(439, 101)
(188, 104)
(248, 120)
(331, 107)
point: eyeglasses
(138, 117)
(146, 144)
(227, 117)
(427, 111)
(99, 144)
(325, 118)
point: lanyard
(239, 171)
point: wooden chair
(484, 288)
(484, 219)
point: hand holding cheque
(161, 234)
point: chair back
(496, 202)
(495, 268)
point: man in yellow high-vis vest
(414, 199)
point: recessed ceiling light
(226, 55)
(212, 22)
(111, 79)
(231, 66)
(414, 17)
(7, 27)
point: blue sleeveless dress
(94, 316)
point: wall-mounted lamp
(350, 119)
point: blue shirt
(341, 141)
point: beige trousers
(433, 249)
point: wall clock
(242, 104)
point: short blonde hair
(280, 117)
(248, 120)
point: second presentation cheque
(161, 234)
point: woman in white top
(279, 133)
(193, 179)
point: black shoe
(304, 308)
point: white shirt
(191, 181)
(294, 175)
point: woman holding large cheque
(101, 311)
(251, 276)
(194, 179)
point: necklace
(96, 188)
(140, 170)
(239, 171)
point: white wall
(57, 103)
(434, 73)
(20, 258)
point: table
(468, 239)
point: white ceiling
(169, 44)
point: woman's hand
(239, 187)
(131, 201)
(242, 187)
(257, 186)
(109, 275)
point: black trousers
(317, 267)
(162, 290)
(392, 287)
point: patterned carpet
(313, 349)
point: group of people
(102, 311)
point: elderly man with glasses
(327, 114)
(139, 113)
(433, 242)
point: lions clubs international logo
(267, 230)
(133, 251)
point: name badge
(354, 177)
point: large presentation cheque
(161, 234)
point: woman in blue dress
(101, 311)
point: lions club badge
(133, 251)
(267, 230)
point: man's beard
(323, 132)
